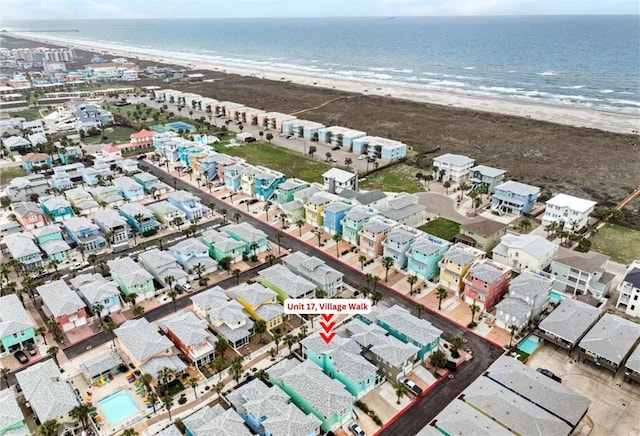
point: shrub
(472, 325)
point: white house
(335, 180)
(629, 291)
(525, 252)
(456, 167)
(572, 212)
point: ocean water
(583, 61)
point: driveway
(442, 205)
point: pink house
(144, 138)
(63, 305)
(486, 283)
(28, 214)
(371, 236)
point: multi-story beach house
(191, 336)
(128, 166)
(528, 296)
(353, 222)
(57, 208)
(17, 329)
(332, 216)
(453, 168)
(28, 214)
(486, 177)
(274, 120)
(107, 196)
(314, 208)
(568, 323)
(131, 278)
(63, 305)
(316, 271)
(35, 162)
(129, 188)
(161, 265)
(286, 284)
(335, 180)
(424, 256)
(266, 183)
(454, 266)
(113, 226)
(8, 224)
(193, 256)
(294, 211)
(632, 367)
(22, 249)
(339, 136)
(260, 302)
(51, 241)
(514, 198)
(379, 148)
(61, 181)
(85, 233)
(226, 317)
(233, 177)
(486, 283)
(151, 184)
(569, 212)
(222, 246)
(166, 213)
(397, 244)
(481, 233)
(525, 252)
(23, 188)
(581, 273)
(141, 139)
(255, 240)
(303, 195)
(188, 203)
(81, 201)
(70, 154)
(405, 209)
(629, 291)
(139, 218)
(98, 293)
(372, 234)
(287, 189)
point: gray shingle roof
(611, 338)
(210, 298)
(370, 197)
(400, 236)
(58, 297)
(415, 328)
(294, 285)
(142, 339)
(127, 184)
(518, 188)
(459, 255)
(515, 306)
(375, 226)
(459, 418)
(403, 212)
(164, 208)
(129, 272)
(633, 362)
(10, 412)
(77, 224)
(109, 218)
(246, 232)
(100, 364)
(485, 271)
(570, 320)
(161, 265)
(95, 288)
(455, 159)
(312, 268)
(51, 229)
(26, 208)
(55, 246)
(336, 207)
(487, 171)
(535, 245)
(254, 293)
(20, 245)
(133, 209)
(188, 328)
(155, 364)
(13, 316)
(380, 343)
(208, 421)
(291, 206)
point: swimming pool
(118, 406)
(530, 344)
(557, 297)
(180, 125)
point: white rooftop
(573, 203)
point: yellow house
(455, 264)
(315, 206)
(260, 303)
(247, 180)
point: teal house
(424, 254)
(17, 329)
(57, 207)
(131, 278)
(266, 182)
(353, 221)
(340, 359)
(222, 245)
(50, 240)
(12, 422)
(314, 392)
(255, 240)
(287, 189)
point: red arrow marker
(327, 327)
(327, 316)
(327, 338)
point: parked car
(142, 156)
(290, 137)
(332, 159)
(250, 139)
(356, 430)
(76, 266)
(187, 287)
(549, 374)
(335, 147)
(451, 366)
(40, 275)
(31, 349)
(362, 157)
(22, 358)
(253, 201)
(414, 388)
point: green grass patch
(8, 173)
(621, 243)
(398, 178)
(28, 114)
(115, 135)
(442, 228)
(291, 163)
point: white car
(187, 287)
(356, 430)
(362, 157)
(77, 266)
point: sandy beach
(576, 117)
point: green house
(287, 189)
(221, 245)
(50, 240)
(131, 278)
(255, 240)
(286, 284)
(17, 329)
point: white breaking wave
(606, 91)
(469, 68)
(573, 87)
(547, 73)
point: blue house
(50, 240)
(140, 218)
(266, 182)
(332, 216)
(35, 161)
(129, 188)
(91, 176)
(191, 252)
(424, 254)
(514, 198)
(85, 233)
(233, 176)
(189, 204)
(61, 181)
(57, 207)
(96, 290)
(68, 155)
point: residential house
(70, 154)
(260, 302)
(98, 293)
(222, 246)
(89, 115)
(314, 208)
(107, 196)
(314, 392)
(301, 128)
(453, 168)
(113, 226)
(24, 188)
(486, 177)
(22, 248)
(335, 180)
(481, 233)
(28, 214)
(151, 184)
(353, 222)
(166, 213)
(454, 266)
(570, 212)
(129, 188)
(63, 305)
(215, 421)
(141, 139)
(12, 421)
(332, 216)
(266, 183)
(50, 395)
(35, 162)
(405, 209)
(486, 283)
(397, 244)
(34, 126)
(57, 208)
(233, 177)
(190, 253)
(9, 224)
(375, 199)
(139, 218)
(286, 284)
(525, 252)
(72, 171)
(303, 195)
(582, 273)
(629, 291)
(460, 418)
(287, 189)
(268, 411)
(609, 342)
(424, 256)
(17, 328)
(146, 348)
(316, 271)
(568, 323)
(82, 202)
(632, 367)
(528, 296)
(191, 336)
(379, 148)
(131, 278)
(293, 210)
(188, 203)
(51, 241)
(514, 198)
(160, 264)
(372, 235)
(90, 177)
(16, 143)
(255, 240)
(85, 233)
(61, 181)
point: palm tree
(49, 428)
(362, 259)
(318, 232)
(375, 279)
(525, 225)
(401, 391)
(218, 388)
(109, 327)
(53, 352)
(236, 273)
(276, 338)
(387, 262)
(446, 186)
(82, 413)
(219, 364)
(224, 213)
(168, 402)
(474, 308)
(173, 294)
(138, 311)
(337, 238)
(419, 308)
(456, 343)
(198, 269)
(4, 373)
(376, 297)
(237, 216)
(300, 223)
(130, 431)
(438, 359)
(97, 310)
(236, 368)
(193, 382)
(278, 237)
(364, 290)
(512, 330)
(321, 293)
(221, 346)
(283, 219)
(290, 340)
(42, 332)
(412, 280)
(260, 327)
(132, 298)
(270, 258)
(266, 208)
(428, 178)
(169, 280)
(441, 294)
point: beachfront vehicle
(549, 374)
(414, 388)
(356, 430)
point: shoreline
(576, 117)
